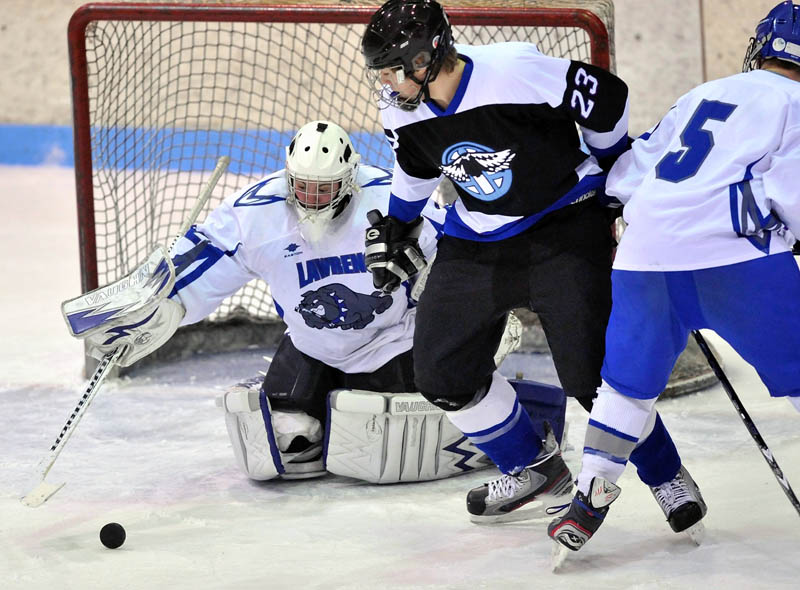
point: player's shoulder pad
(374, 176)
(269, 190)
(498, 54)
(374, 190)
(259, 212)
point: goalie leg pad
(263, 451)
(394, 437)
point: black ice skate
(682, 504)
(546, 479)
(585, 515)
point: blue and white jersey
(508, 140)
(717, 181)
(322, 290)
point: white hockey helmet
(321, 167)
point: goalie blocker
(371, 436)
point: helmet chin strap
(424, 90)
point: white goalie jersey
(322, 290)
(716, 181)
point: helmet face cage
(777, 36)
(387, 97)
(321, 167)
(406, 36)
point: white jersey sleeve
(633, 166)
(780, 180)
(212, 250)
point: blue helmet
(777, 36)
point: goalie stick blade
(558, 556)
(41, 494)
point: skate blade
(558, 555)
(41, 494)
(697, 533)
(540, 507)
(520, 514)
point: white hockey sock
(492, 409)
(616, 425)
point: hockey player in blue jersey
(526, 230)
(712, 201)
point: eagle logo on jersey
(338, 306)
(480, 171)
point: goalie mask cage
(160, 91)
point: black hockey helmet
(414, 34)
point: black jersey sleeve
(595, 98)
(408, 158)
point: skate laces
(545, 455)
(673, 493)
(550, 510)
(505, 487)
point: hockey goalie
(339, 394)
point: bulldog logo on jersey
(338, 306)
(479, 170)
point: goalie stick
(748, 422)
(42, 489)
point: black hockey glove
(392, 250)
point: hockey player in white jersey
(525, 231)
(301, 230)
(712, 201)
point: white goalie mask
(321, 167)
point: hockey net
(160, 91)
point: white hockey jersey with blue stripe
(717, 181)
(322, 291)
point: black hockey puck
(112, 535)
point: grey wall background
(664, 48)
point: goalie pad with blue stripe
(394, 437)
(265, 441)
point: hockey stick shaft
(748, 422)
(43, 490)
(202, 199)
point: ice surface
(152, 453)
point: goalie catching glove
(392, 250)
(133, 312)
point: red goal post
(160, 91)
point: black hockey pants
(560, 268)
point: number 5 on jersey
(696, 142)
